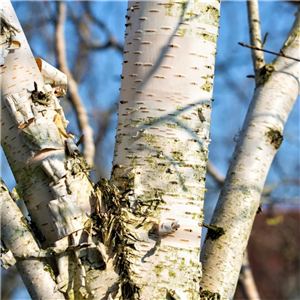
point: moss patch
(207, 86)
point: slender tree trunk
(275, 94)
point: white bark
(51, 174)
(162, 142)
(259, 140)
(16, 236)
(34, 140)
(255, 35)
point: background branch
(82, 118)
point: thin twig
(255, 34)
(281, 53)
(88, 142)
(265, 40)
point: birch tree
(136, 236)
(100, 242)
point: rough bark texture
(259, 140)
(162, 141)
(34, 141)
(51, 174)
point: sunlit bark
(16, 237)
(162, 140)
(259, 140)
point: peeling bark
(51, 174)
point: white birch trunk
(162, 143)
(261, 136)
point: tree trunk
(275, 94)
(162, 142)
(102, 244)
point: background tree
(219, 152)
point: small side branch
(255, 34)
(281, 53)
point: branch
(17, 238)
(246, 279)
(255, 34)
(96, 45)
(256, 147)
(87, 131)
(281, 53)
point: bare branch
(247, 281)
(255, 34)
(88, 143)
(93, 45)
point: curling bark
(51, 173)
